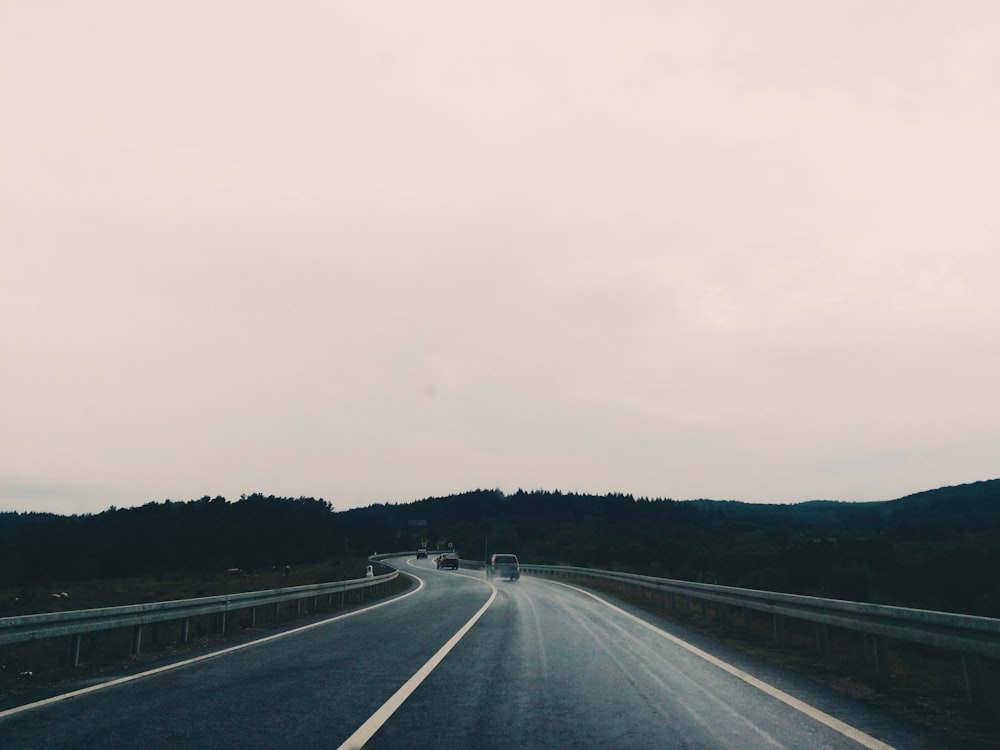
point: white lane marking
(203, 657)
(387, 709)
(539, 640)
(814, 713)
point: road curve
(549, 665)
(460, 663)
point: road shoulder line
(812, 712)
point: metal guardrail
(968, 635)
(77, 623)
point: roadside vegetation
(160, 587)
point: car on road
(422, 553)
(448, 560)
(504, 565)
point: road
(459, 663)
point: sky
(377, 252)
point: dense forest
(936, 550)
(210, 534)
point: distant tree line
(209, 534)
(935, 550)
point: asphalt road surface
(460, 663)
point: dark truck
(503, 566)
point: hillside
(924, 551)
(927, 550)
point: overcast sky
(380, 251)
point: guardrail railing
(967, 635)
(78, 623)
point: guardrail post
(823, 640)
(779, 628)
(975, 686)
(252, 617)
(136, 640)
(222, 622)
(74, 650)
(882, 659)
(277, 610)
(185, 629)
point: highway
(457, 662)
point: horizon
(642, 498)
